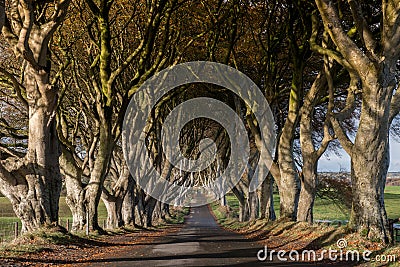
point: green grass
(8, 218)
(392, 201)
(177, 215)
(326, 210)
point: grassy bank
(8, 218)
(284, 235)
(57, 239)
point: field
(326, 210)
(323, 210)
(8, 219)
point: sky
(335, 163)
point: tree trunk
(308, 191)
(150, 206)
(44, 179)
(370, 163)
(159, 214)
(288, 182)
(33, 184)
(98, 174)
(253, 205)
(311, 155)
(242, 203)
(75, 202)
(243, 212)
(114, 211)
(267, 210)
(368, 213)
(140, 212)
(128, 205)
(223, 201)
(377, 73)
(74, 187)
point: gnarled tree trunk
(288, 182)
(33, 183)
(370, 162)
(74, 188)
(114, 210)
(114, 197)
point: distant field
(7, 211)
(7, 217)
(326, 210)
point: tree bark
(75, 191)
(267, 210)
(128, 205)
(308, 191)
(311, 155)
(370, 163)
(140, 212)
(253, 204)
(150, 207)
(288, 182)
(242, 203)
(114, 210)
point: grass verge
(300, 236)
(52, 238)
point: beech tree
(108, 67)
(32, 182)
(368, 46)
(278, 69)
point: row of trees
(69, 69)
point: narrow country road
(200, 242)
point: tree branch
(350, 100)
(391, 29)
(93, 7)
(344, 140)
(363, 29)
(16, 85)
(323, 50)
(349, 50)
(394, 106)
(11, 152)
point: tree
(370, 58)
(113, 63)
(33, 182)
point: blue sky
(335, 163)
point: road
(200, 242)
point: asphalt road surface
(200, 242)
